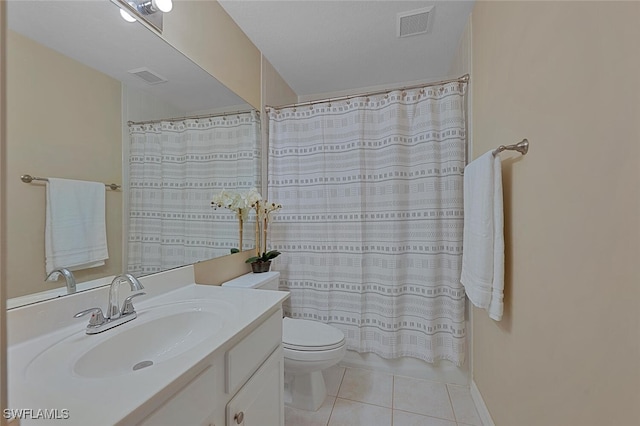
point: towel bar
(29, 179)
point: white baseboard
(480, 405)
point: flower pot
(261, 266)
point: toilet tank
(263, 281)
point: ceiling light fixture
(148, 7)
(127, 16)
(163, 5)
(150, 11)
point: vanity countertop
(111, 398)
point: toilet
(309, 347)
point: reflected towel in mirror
(75, 231)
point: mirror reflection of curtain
(175, 168)
(371, 229)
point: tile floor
(358, 397)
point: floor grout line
(331, 412)
(337, 393)
(431, 416)
(365, 403)
(393, 396)
(451, 402)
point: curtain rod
(463, 79)
(192, 117)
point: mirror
(71, 88)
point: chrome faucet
(68, 276)
(115, 316)
(113, 311)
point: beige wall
(205, 33)
(63, 121)
(564, 75)
(222, 269)
(275, 91)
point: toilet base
(304, 391)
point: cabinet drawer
(192, 405)
(245, 357)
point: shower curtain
(175, 169)
(371, 225)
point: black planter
(258, 267)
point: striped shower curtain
(371, 225)
(175, 168)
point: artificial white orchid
(263, 209)
(235, 202)
(241, 204)
(267, 208)
(221, 199)
(231, 200)
(252, 197)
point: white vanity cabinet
(192, 405)
(258, 403)
(242, 384)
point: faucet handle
(97, 318)
(127, 306)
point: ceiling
(329, 46)
(316, 46)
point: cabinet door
(193, 405)
(260, 401)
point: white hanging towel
(75, 228)
(483, 241)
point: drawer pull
(239, 418)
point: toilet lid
(305, 335)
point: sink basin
(147, 344)
(157, 335)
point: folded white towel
(75, 231)
(483, 242)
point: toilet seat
(312, 349)
(310, 336)
(314, 356)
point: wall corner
(483, 411)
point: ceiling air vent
(415, 22)
(147, 75)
